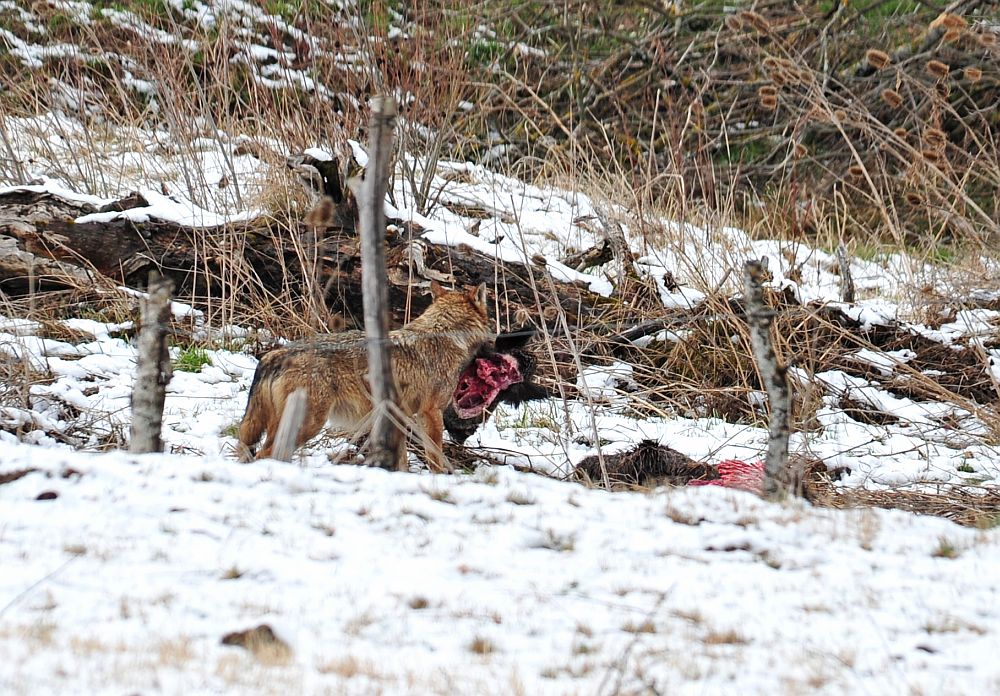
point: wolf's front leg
(401, 457)
(431, 434)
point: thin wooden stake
(153, 371)
(846, 279)
(386, 443)
(774, 377)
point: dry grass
(417, 603)
(725, 637)
(175, 653)
(349, 667)
(645, 626)
(40, 634)
(968, 505)
(824, 142)
(482, 646)
(792, 112)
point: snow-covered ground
(496, 582)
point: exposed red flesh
(482, 381)
(734, 473)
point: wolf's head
(460, 302)
(461, 315)
(501, 372)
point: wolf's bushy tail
(259, 413)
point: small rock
(47, 495)
(261, 641)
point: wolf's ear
(478, 295)
(436, 289)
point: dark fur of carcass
(500, 373)
(647, 464)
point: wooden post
(774, 377)
(292, 418)
(386, 443)
(153, 372)
(846, 279)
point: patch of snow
(170, 209)
(606, 383)
(884, 361)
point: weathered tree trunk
(774, 378)
(153, 371)
(386, 443)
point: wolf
(427, 354)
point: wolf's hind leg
(313, 423)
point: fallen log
(44, 248)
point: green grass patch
(376, 14)
(58, 22)
(485, 51)
(868, 252)
(744, 151)
(945, 549)
(282, 8)
(940, 254)
(191, 359)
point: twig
(19, 173)
(20, 595)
